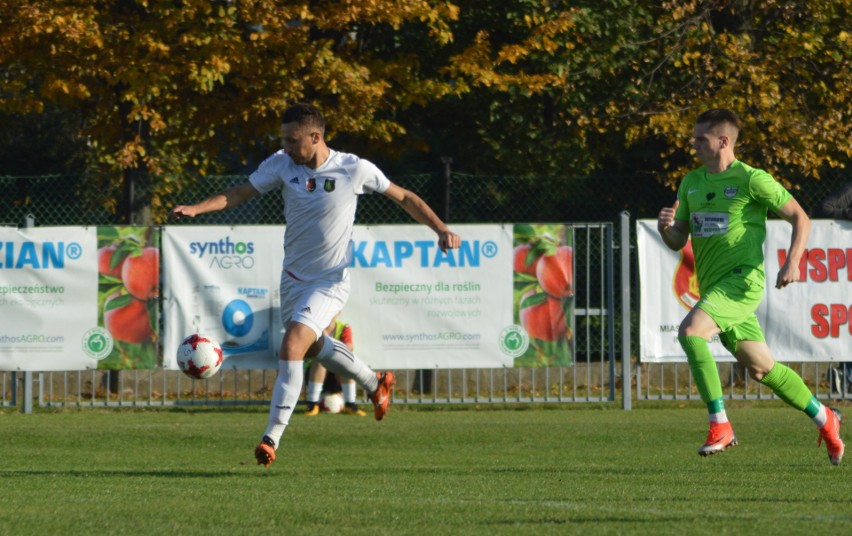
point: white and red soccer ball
(199, 357)
(332, 403)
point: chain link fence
(459, 197)
(54, 200)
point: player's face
(708, 142)
(299, 142)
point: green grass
(522, 470)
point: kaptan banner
(810, 320)
(414, 306)
(49, 300)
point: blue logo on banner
(237, 318)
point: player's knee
(757, 373)
(689, 330)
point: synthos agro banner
(808, 320)
(222, 281)
(74, 298)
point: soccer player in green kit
(724, 205)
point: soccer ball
(199, 357)
(332, 403)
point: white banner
(223, 281)
(49, 299)
(808, 321)
(413, 306)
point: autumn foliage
(174, 90)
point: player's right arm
(226, 199)
(674, 232)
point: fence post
(29, 223)
(626, 368)
(447, 180)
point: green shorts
(731, 304)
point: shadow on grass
(106, 473)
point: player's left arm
(793, 214)
(422, 213)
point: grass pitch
(514, 470)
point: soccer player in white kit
(320, 187)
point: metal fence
(604, 370)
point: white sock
(336, 357)
(314, 391)
(349, 392)
(720, 417)
(821, 417)
(285, 396)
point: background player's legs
(316, 379)
(350, 393)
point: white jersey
(319, 208)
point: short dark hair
(718, 116)
(304, 114)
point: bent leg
(783, 380)
(339, 359)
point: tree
(162, 91)
(169, 88)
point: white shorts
(313, 303)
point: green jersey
(727, 220)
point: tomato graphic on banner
(685, 282)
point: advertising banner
(222, 281)
(75, 298)
(411, 305)
(807, 321)
(414, 306)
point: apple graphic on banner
(544, 317)
(126, 318)
(555, 272)
(141, 274)
(521, 254)
(105, 255)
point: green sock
(790, 388)
(704, 371)
(813, 407)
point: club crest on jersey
(328, 185)
(311, 184)
(730, 192)
(711, 195)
